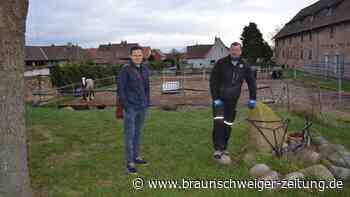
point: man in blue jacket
(226, 81)
(134, 95)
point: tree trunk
(14, 176)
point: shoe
(217, 155)
(139, 160)
(222, 158)
(225, 159)
(225, 152)
(131, 168)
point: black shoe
(217, 155)
(131, 168)
(140, 161)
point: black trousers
(224, 117)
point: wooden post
(319, 97)
(288, 97)
(203, 77)
(295, 73)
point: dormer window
(310, 36)
(311, 18)
(331, 33)
(329, 11)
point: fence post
(203, 76)
(339, 76)
(288, 97)
(294, 72)
(319, 97)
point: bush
(155, 65)
(65, 74)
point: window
(212, 61)
(331, 33)
(301, 54)
(329, 11)
(290, 40)
(326, 59)
(310, 36)
(310, 54)
(302, 37)
(311, 18)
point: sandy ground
(196, 93)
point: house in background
(319, 33)
(100, 57)
(204, 56)
(111, 54)
(39, 59)
(158, 55)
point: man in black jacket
(226, 81)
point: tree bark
(14, 176)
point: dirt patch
(195, 92)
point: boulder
(318, 171)
(340, 173)
(250, 158)
(309, 156)
(271, 176)
(259, 170)
(294, 176)
(256, 140)
(318, 141)
(340, 159)
(327, 149)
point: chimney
(217, 39)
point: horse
(87, 85)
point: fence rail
(328, 70)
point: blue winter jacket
(133, 87)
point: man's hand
(218, 103)
(252, 104)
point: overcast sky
(163, 24)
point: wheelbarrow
(300, 139)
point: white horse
(88, 88)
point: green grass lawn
(80, 153)
(331, 84)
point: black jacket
(133, 87)
(226, 80)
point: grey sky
(160, 24)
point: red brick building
(318, 33)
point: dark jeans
(224, 117)
(133, 124)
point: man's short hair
(235, 44)
(135, 49)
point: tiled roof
(320, 14)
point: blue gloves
(218, 103)
(252, 104)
